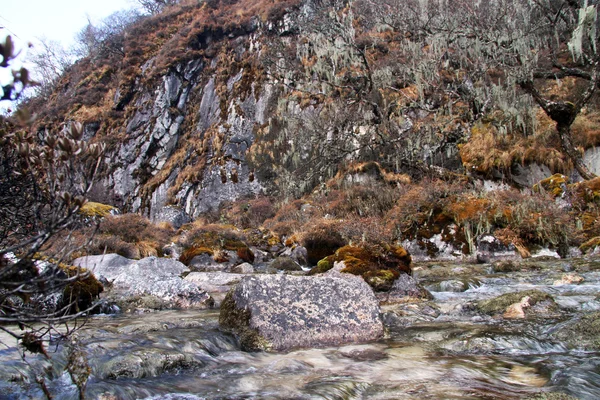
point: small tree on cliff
(576, 23)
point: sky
(58, 20)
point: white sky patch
(58, 20)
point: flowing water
(434, 350)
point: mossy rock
(555, 185)
(583, 332)
(501, 303)
(83, 292)
(262, 238)
(381, 280)
(551, 396)
(232, 318)
(590, 244)
(322, 266)
(92, 209)
(379, 267)
(245, 254)
(216, 242)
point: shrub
(131, 236)
(246, 214)
(213, 239)
(378, 266)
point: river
(442, 349)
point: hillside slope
(215, 101)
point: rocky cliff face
(222, 121)
(213, 102)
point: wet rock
(454, 286)
(142, 364)
(367, 354)
(285, 264)
(245, 268)
(551, 396)
(506, 266)
(582, 332)
(405, 289)
(280, 312)
(490, 249)
(569, 279)
(540, 303)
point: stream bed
(439, 349)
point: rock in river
(151, 276)
(280, 312)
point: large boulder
(280, 312)
(105, 267)
(160, 278)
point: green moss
(379, 267)
(554, 185)
(237, 320)
(92, 209)
(323, 266)
(381, 280)
(500, 303)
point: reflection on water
(439, 350)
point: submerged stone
(582, 332)
(280, 312)
(538, 302)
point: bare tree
(49, 59)
(155, 6)
(105, 39)
(44, 177)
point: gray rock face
(490, 249)
(217, 284)
(280, 312)
(105, 267)
(173, 215)
(151, 276)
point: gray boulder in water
(405, 290)
(280, 312)
(151, 276)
